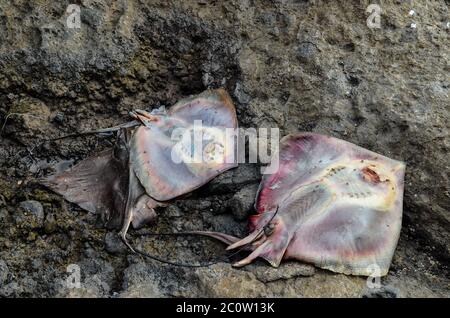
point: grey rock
(295, 65)
(173, 211)
(50, 224)
(382, 292)
(305, 50)
(3, 272)
(4, 215)
(58, 118)
(234, 179)
(97, 278)
(141, 280)
(221, 280)
(36, 264)
(10, 290)
(241, 204)
(287, 270)
(189, 205)
(113, 243)
(226, 223)
(33, 207)
(241, 95)
(31, 214)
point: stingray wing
(348, 238)
(97, 184)
(331, 203)
(165, 156)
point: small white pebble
(413, 25)
(19, 182)
(447, 25)
(411, 12)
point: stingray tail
(225, 238)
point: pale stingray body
(331, 203)
(150, 164)
(164, 155)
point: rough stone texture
(287, 270)
(296, 65)
(3, 272)
(32, 214)
(113, 243)
(242, 202)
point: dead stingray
(331, 203)
(125, 184)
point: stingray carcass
(331, 203)
(154, 162)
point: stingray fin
(271, 248)
(168, 160)
(342, 202)
(253, 236)
(139, 209)
(144, 211)
(97, 184)
(224, 238)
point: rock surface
(296, 65)
(242, 202)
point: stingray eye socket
(370, 175)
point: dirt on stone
(296, 65)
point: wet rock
(4, 216)
(225, 223)
(28, 285)
(189, 205)
(287, 270)
(28, 117)
(141, 290)
(34, 208)
(3, 272)
(173, 211)
(58, 118)
(221, 280)
(10, 290)
(305, 51)
(324, 284)
(241, 95)
(61, 240)
(113, 243)
(234, 179)
(383, 292)
(241, 204)
(141, 280)
(296, 65)
(31, 215)
(95, 280)
(50, 224)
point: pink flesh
(119, 188)
(339, 207)
(151, 147)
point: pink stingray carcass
(155, 159)
(330, 203)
